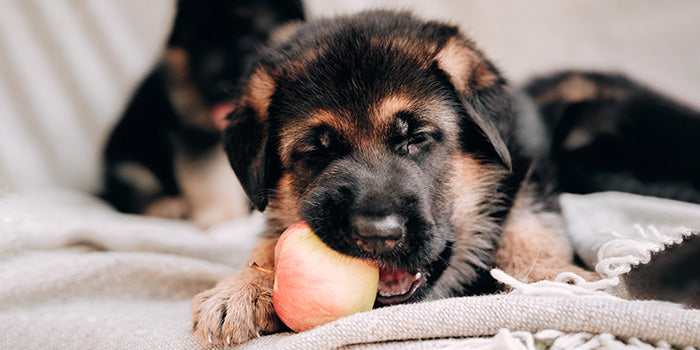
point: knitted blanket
(74, 274)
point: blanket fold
(486, 315)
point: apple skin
(315, 284)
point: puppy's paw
(168, 208)
(234, 312)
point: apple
(315, 284)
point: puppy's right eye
(324, 140)
(323, 137)
(414, 144)
(411, 136)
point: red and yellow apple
(315, 284)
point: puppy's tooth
(417, 276)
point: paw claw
(228, 339)
(209, 334)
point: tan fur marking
(284, 32)
(284, 208)
(406, 46)
(190, 106)
(385, 112)
(176, 61)
(577, 88)
(183, 95)
(258, 92)
(300, 65)
(469, 191)
(530, 250)
(465, 66)
(466, 178)
(457, 60)
(533, 247)
(471, 182)
(334, 119)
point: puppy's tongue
(395, 282)
(219, 112)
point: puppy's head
(371, 128)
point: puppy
(609, 132)
(164, 157)
(392, 137)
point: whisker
(533, 264)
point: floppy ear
(482, 92)
(247, 141)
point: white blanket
(74, 274)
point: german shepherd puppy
(164, 156)
(393, 138)
(608, 132)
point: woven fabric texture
(74, 275)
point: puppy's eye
(419, 138)
(414, 143)
(328, 142)
(324, 140)
(321, 138)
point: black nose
(377, 235)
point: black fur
(247, 145)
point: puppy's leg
(533, 246)
(239, 308)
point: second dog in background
(607, 132)
(164, 157)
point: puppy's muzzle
(377, 234)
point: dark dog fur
(393, 138)
(164, 156)
(608, 132)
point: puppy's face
(366, 128)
